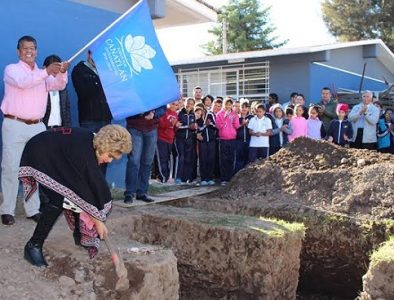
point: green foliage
(384, 254)
(352, 20)
(248, 28)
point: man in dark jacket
(57, 113)
(93, 110)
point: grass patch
(268, 226)
(283, 227)
(385, 253)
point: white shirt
(55, 118)
(259, 125)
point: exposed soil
(358, 183)
(71, 275)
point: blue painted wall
(321, 76)
(60, 27)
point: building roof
(176, 12)
(383, 53)
(186, 12)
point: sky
(299, 21)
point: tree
(247, 28)
(352, 20)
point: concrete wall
(285, 79)
(322, 75)
(353, 59)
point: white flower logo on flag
(140, 53)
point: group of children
(221, 137)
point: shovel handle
(114, 253)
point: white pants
(15, 135)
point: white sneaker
(211, 182)
(223, 183)
(203, 183)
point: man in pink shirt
(25, 98)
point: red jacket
(166, 130)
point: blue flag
(134, 72)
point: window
(239, 81)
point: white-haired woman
(65, 164)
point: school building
(305, 70)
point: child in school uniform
(280, 130)
(316, 130)
(260, 129)
(385, 132)
(298, 123)
(243, 138)
(206, 137)
(184, 142)
(165, 140)
(227, 123)
(340, 131)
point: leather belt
(27, 122)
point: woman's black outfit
(64, 164)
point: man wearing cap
(25, 99)
(364, 117)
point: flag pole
(102, 32)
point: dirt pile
(323, 176)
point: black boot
(77, 233)
(33, 248)
(33, 254)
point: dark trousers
(257, 152)
(194, 160)
(273, 150)
(227, 159)
(207, 153)
(163, 154)
(358, 142)
(173, 158)
(242, 153)
(216, 171)
(184, 149)
(52, 207)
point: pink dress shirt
(26, 90)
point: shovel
(121, 271)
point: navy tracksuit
(184, 143)
(207, 147)
(242, 147)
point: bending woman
(65, 164)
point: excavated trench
(335, 252)
(344, 197)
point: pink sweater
(227, 124)
(299, 127)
